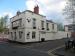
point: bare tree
(69, 12)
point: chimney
(18, 12)
(36, 9)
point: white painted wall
(26, 27)
(57, 35)
(61, 34)
(49, 36)
(29, 27)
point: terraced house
(28, 26)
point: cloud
(30, 5)
(46, 5)
(7, 13)
(50, 8)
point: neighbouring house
(70, 28)
(28, 26)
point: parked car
(70, 43)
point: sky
(52, 9)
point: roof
(70, 25)
(35, 13)
(31, 12)
(50, 21)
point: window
(47, 26)
(20, 34)
(17, 23)
(34, 23)
(33, 35)
(11, 34)
(52, 26)
(42, 25)
(28, 35)
(20, 22)
(15, 37)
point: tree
(6, 20)
(60, 26)
(3, 23)
(69, 10)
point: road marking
(49, 52)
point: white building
(30, 26)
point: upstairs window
(20, 22)
(34, 23)
(53, 26)
(47, 26)
(17, 23)
(42, 25)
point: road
(29, 49)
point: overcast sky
(52, 9)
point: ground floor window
(15, 37)
(33, 35)
(28, 35)
(20, 34)
(11, 34)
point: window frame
(20, 34)
(11, 34)
(53, 26)
(33, 35)
(28, 35)
(34, 23)
(15, 36)
(47, 26)
(42, 25)
(19, 23)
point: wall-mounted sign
(28, 19)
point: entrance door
(42, 36)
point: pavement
(30, 49)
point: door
(42, 35)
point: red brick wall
(73, 34)
(36, 9)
